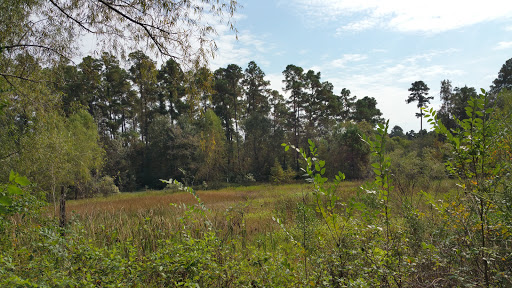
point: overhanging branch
(7, 76)
(70, 17)
(7, 47)
(145, 26)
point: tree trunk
(62, 210)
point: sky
(374, 48)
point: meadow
(254, 236)
(408, 226)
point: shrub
(106, 186)
(277, 175)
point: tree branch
(36, 46)
(70, 17)
(9, 155)
(143, 25)
(7, 76)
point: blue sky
(374, 48)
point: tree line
(131, 123)
(145, 123)
(206, 126)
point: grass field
(229, 207)
(257, 236)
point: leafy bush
(279, 176)
(106, 186)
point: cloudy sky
(375, 48)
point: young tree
(213, 149)
(419, 93)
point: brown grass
(134, 202)
(145, 217)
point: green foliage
(107, 187)
(279, 176)
(344, 150)
(10, 191)
(504, 79)
(325, 196)
(277, 173)
(366, 110)
(454, 103)
(213, 148)
(412, 172)
(381, 167)
(481, 177)
(419, 93)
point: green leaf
(23, 181)
(286, 148)
(5, 201)
(12, 176)
(323, 171)
(14, 190)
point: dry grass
(144, 217)
(213, 199)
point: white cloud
(357, 26)
(503, 45)
(248, 47)
(341, 62)
(276, 82)
(432, 16)
(427, 56)
(387, 80)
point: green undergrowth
(276, 240)
(389, 231)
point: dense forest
(197, 126)
(138, 125)
(308, 186)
